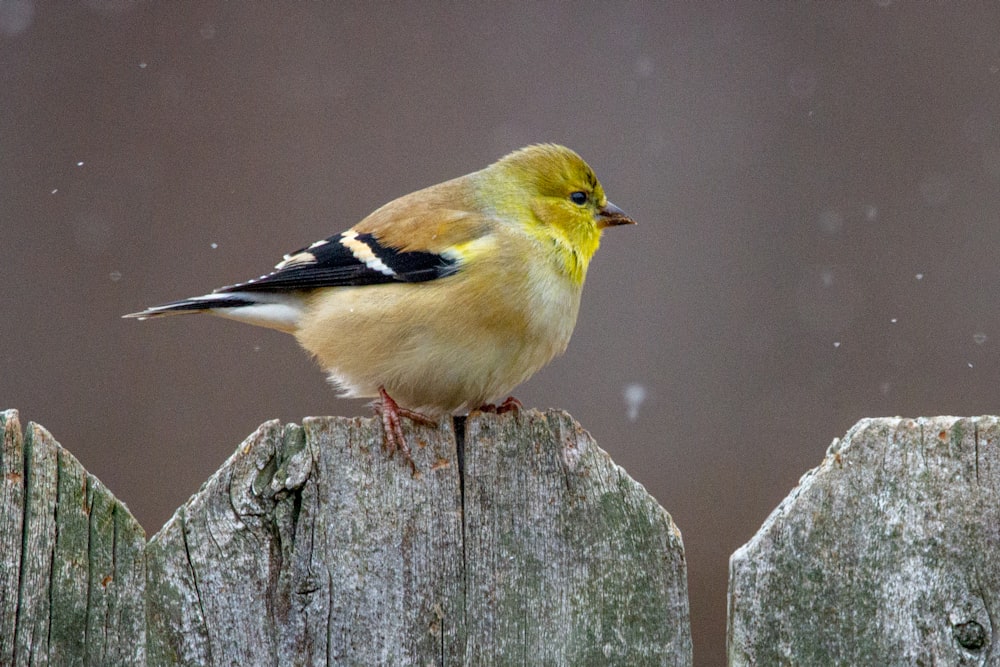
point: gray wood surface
(309, 546)
(71, 559)
(888, 553)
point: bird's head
(557, 195)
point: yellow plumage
(448, 297)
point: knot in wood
(970, 635)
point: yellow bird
(444, 299)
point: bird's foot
(510, 404)
(391, 414)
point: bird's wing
(425, 235)
(347, 259)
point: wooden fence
(519, 542)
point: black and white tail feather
(277, 299)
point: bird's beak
(611, 215)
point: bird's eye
(578, 198)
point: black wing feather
(335, 264)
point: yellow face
(564, 200)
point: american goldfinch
(443, 299)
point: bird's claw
(510, 404)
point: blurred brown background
(816, 185)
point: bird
(444, 299)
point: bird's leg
(391, 415)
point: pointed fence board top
(888, 553)
(71, 559)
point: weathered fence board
(598, 559)
(71, 566)
(307, 547)
(888, 553)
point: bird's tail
(273, 310)
(195, 304)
